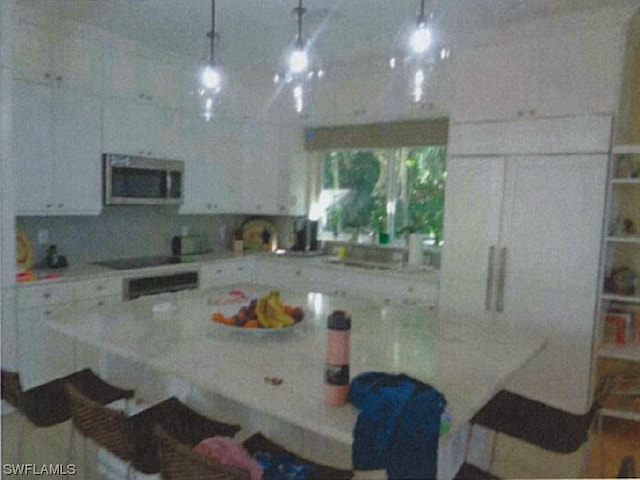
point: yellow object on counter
(24, 252)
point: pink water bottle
(336, 375)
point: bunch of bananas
(270, 312)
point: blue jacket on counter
(398, 426)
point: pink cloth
(229, 452)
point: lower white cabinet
(43, 353)
(522, 247)
(228, 272)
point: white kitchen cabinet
(57, 148)
(319, 104)
(583, 134)
(260, 160)
(138, 128)
(43, 294)
(274, 170)
(293, 168)
(282, 274)
(522, 247)
(162, 81)
(208, 184)
(364, 99)
(43, 353)
(559, 75)
(71, 59)
(228, 272)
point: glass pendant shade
(418, 54)
(211, 78)
(297, 71)
(298, 60)
(421, 39)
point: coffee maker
(306, 232)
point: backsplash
(120, 232)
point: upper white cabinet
(70, 59)
(319, 105)
(260, 158)
(211, 149)
(57, 150)
(571, 74)
(274, 170)
(161, 81)
(293, 168)
(363, 99)
(586, 134)
(137, 128)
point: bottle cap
(339, 320)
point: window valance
(378, 135)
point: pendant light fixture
(211, 76)
(421, 53)
(297, 72)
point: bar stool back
(179, 462)
(132, 438)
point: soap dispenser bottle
(52, 257)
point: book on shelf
(621, 328)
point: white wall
(7, 230)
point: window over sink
(384, 193)
(379, 181)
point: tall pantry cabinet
(529, 142)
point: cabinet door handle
(489, 287)
(502, 273)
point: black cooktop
(139, 262)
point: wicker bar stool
(179, 462)
(132, 438)
(48, 404)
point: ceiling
(256, 32)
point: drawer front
(104, 287)
(42, 295)
(60, 293)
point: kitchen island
(173, 334)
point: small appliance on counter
(54, 260)
(189, 245)
(306, 236)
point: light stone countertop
(467, 362)
(86, 271)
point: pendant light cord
(421, 16)
(299, 11)
(212, 34)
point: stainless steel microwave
(131, 180)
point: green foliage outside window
(360, 182)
